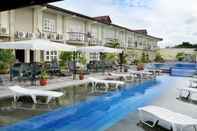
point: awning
(37, 44)
(13, 4)
(99, 49)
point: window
(94, 57)
(136, 44)
(48, 25)
(51, 55)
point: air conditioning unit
(3, 30)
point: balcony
(95, 42)
(77, 38)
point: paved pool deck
(168, 100)
(54, 84)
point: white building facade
(57, 24)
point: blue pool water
(188, 69)
(98, 113)
(177, 69)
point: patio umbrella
(98, 49)
(37, 44)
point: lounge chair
(33, 93)
(165, 118)
(96, 81)
(193, 83)
(141, 74)
(186, 92)
(125, 76)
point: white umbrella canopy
(98, 49)
(37, 44)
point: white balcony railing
(77, 36)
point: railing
(77, 36)
(95, 41)
(43, 35)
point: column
(12, 24)
(27, 56)
(37, 27)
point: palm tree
(113, 43)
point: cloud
(172, 20)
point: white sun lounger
(18, 91)
(193, 83)
(187, 92)
(123, 75)
(166, 118)
(95, 81)
(140, 73)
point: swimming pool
(98, 113)
(176, 69)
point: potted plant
(140, 66)
(43, 78)
(81, 75)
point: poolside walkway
(167, 100)
(54, 84)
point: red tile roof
(142, 31)
(103, 19)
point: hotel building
(64, 26)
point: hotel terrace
(64, 26)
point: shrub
(180, 56)
(65, 57)
(6, 60)
(159, 58)
(144, 58)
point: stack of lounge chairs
(188, 92)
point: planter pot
(43, 82)
(81, 77)
(140, 67)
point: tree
(82, 59)
(180, 56)
(144, 58)
(65, 57)
(147, 58)
(158, 58)
(185, 45)
(7, 58)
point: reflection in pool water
(97, 112)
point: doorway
(20, 55)
(31, 56)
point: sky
(173, 20)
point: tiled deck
(55, 83)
